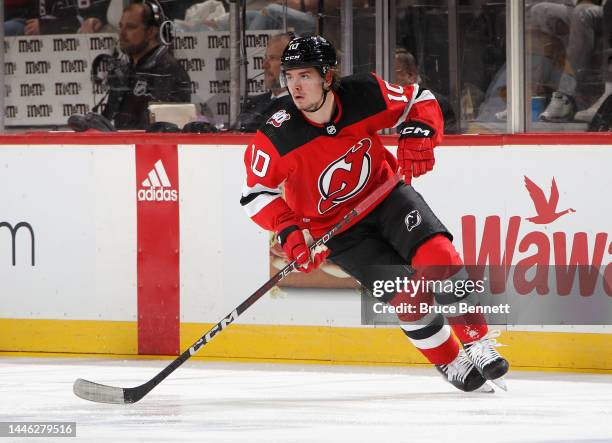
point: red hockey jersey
(329, 169)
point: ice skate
(560, 109)
(463, 375)
(487, 360)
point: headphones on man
(159, 19)
(114, 63)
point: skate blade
(500, 383)
(485, 389)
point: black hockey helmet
(306, 52)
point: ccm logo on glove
(417, 131)
(415, 149)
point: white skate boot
(560, 109)
(487, 360)
(463, 375)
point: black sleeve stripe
(245, 200)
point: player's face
(134, 36)
(272, 63)
(306, 87)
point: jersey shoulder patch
(286, 128)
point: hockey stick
(109, 394)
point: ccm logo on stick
(218, 328)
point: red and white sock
(428, 332)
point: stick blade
(98, 393)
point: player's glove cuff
(284, 233)
(416, 129)
(415, 149)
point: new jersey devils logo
(412, 220)
(279, 118)
(345, 177)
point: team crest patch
(279, 118)
(345, 177)
(412, 220)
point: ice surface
(260, 402)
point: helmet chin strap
(325, 91)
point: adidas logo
(156, 183)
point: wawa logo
(538, 255)
(156, 186)
(546, 208)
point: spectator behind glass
(175, 9)
(16, 13)
(549, 65)
(35, 17)
(94, 16)
(299, 16)
(254, 114)
(201, 16)
(588, 114)
(407, 73)
(152, 74)
(583, 23)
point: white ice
(260, 402)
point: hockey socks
(434, 341)
(427, 332)
(438, 260)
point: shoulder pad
(361, 97)
(285, 126)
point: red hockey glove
(415, 150)
(296, 242)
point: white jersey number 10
(398, 92)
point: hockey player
(321, 142)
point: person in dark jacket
(36, 17)
(152, 74)
(254, 113)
